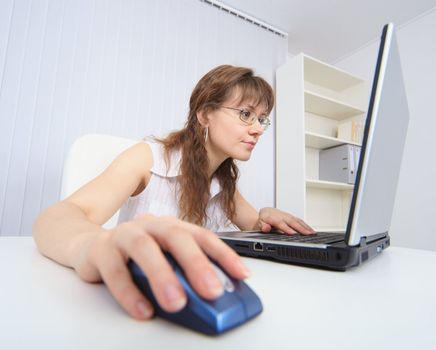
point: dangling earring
(206, 134)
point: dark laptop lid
(382, 147)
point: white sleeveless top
(160, 196)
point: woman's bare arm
(61, 228)
(70, 233)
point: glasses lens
(264, 122)
(251, 118)
(247, 116)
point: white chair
(88, 157)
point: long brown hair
(213, 89)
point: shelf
(328, 185)
(314, 100)
(329, 107)
(319, 141)
(322, 74)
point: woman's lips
(250, 144)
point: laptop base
(337, 256)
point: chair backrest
(87, 158)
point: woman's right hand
(144, 240)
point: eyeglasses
(250, 118)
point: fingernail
(244, 269)
(144, 309)
(175, 297)
(213, 284)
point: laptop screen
(382, 148)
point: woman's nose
(256, 128)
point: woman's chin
(242, 157)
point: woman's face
(229, 136)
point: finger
(309, 229)
(181, 244)
(194, 262)
(286, 228)
(220, 252)
(144, 250)
(298, 225)
(117, 278)
(184, 245)
(277, 221)
(265, 227)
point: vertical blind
(118, 67)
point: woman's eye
(265, 119)
(245, 114)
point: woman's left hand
(289, 224)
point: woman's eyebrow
(247, 106)
(252, 108)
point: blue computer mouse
(236, 306)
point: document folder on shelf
(339, 163)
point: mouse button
(221, 313)
(230, 317)
(251, 301)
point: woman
(191, 175)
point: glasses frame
(253, 119)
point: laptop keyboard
(319, 237)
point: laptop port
(258, 247)
(240, 245)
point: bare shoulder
(136, 161)
(138, 156)
(127, 175)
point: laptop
(367, 231)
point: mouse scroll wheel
(225, 281)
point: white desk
(387, 303)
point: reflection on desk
(387, 303)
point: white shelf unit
(328, 185)
(320, 141)
(313, 98)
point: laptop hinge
(376, 237)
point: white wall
(120, 67)
(414, 218)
